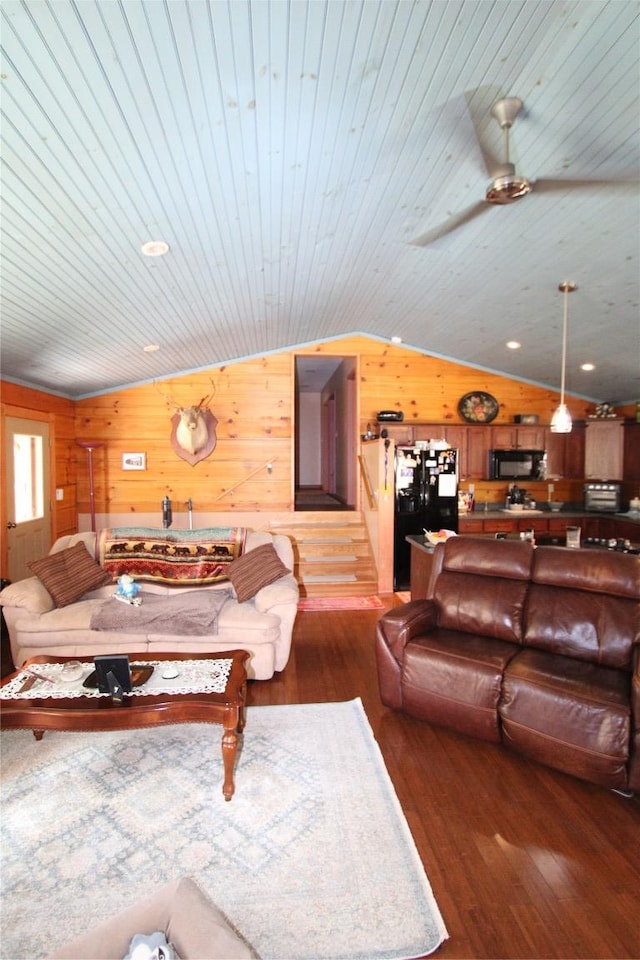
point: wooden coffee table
(101, 713)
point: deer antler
(205, 400)
(201, 403)
(168, 400)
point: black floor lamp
(90, 446)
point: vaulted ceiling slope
(298, 158)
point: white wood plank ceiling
(289, 153)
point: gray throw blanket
(191, 614)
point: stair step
(337, 578)
(340, 558)
(328, 539)
(332, 553)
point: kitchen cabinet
(472, 443)
(604, 450)
(458, 439)
(400, 433)
(558, 525)
(466, 525)
(574, 451)
(631, 452)
(517, 437)
(478, 446)
(499, 526)
(565, 453)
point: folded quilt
(192, 614)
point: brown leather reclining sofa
(537, 648)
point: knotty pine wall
(254, 404)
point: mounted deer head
(193, 435)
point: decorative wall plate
(478, 407)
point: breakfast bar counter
(597, 530)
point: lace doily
(193, 676)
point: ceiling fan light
(507, 189)
(561, 420)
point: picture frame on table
(134, 461)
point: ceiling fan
(506, 185)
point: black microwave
(518, 465)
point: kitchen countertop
(419, 540)
(499, 513)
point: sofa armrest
(182, 911)
(30, 595)
(400, 625)
(634, 746)
(284, 590)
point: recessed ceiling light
(396, 339)
(151, 348)
(587, 366)
(513, 344)
(155, 248)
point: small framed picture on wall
(134, 461)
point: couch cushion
(598, 571)
(488, 606)
(510, 559)
(568, 714)
(454, 679)
(69, 574)
(254, 570)
(30, 594)
(577, 623)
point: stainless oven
(603, 497)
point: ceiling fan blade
(481, 122)
(453, 223)
(558, 186)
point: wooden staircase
(332, 553)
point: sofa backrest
(585, 604)
(255, 538)
(482, 586)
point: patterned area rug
(312, 858)
(340, 603)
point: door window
(28, 477)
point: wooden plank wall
(254, 404)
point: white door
(28, 494)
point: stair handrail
(366, 479)
(244, 479)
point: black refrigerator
(425, 498)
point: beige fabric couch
(190, 921)
(262, 625)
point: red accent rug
(340, 603)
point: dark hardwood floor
(524, 862)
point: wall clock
(478, 407)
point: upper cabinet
(565, 453)
(401, 433)
(604, 450)
(471, 442)
(517, 437)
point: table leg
(241, 708)
(229, 753)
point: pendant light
(561, 419)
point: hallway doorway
(326, 433)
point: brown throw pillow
(69, 574)
(255, 570)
